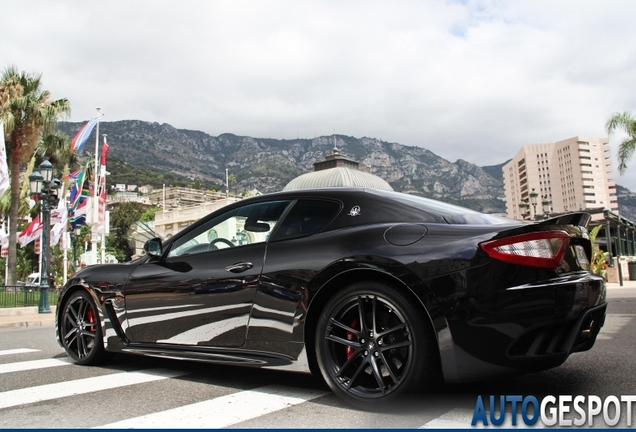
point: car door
(294, 256)
(200, 292)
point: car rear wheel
(372, 345)
(80, 330)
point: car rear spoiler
(576, 218)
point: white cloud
(466, 79)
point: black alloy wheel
(80, 329)
(372, 345)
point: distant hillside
(269, 164)
(496, 170)
(626, 203)
(152, 153)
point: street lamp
(45, 188)
(523, 209)
(533, 200)
(546, 204)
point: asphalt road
(40, 388)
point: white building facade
(573, 174)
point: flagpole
(6, 261)
(65, 235)
(65, 248)
(95, 209)
(103, 225)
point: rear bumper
(522, 328)
(548, 345)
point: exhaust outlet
(586, 334)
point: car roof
(398, 206)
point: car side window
(307, 217)
(249, 224)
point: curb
(27, 324)
(29, 310)
(26, 317)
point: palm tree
(626, 122)
(27, 111)
(56, 147)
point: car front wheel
(80, 330)
(372, 345)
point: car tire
(373, 345)
(81, 331)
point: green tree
(626, 122)
(597, 263)
(149, 214)
(122, 218)
(26, 111)
(56, 147)
(231, 179)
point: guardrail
(22, 296)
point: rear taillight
(543, 249)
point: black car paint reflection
(359, 297)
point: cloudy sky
(474, 80)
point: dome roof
(337, 177)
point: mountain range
(267, 164)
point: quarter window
(307, 217)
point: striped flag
(61, 220)
(31, 232)
(78, 143)
(102, 185)
(81, 187)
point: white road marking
(82, 386)
(33, 364)
(460, 418)
(17, 351)
(223, 411)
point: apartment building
(573, 174)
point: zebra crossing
(141, 394)
(217, 412)
(268, 405)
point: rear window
(451, 213)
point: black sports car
(379, 292)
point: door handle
(239, 267)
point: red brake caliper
(90, 315)
(351, 337)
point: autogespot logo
(562, 410)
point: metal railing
(22, 296)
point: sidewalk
(25, 317)
(29, 316)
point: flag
(59, 213)
(4, 169)
(77, 217)
(77, 221)
(4, 236)
(59, 217)
(78, 143)
(81, 188)
(102, 186)
(72, 177)
(31, 232)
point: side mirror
(153, 247)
